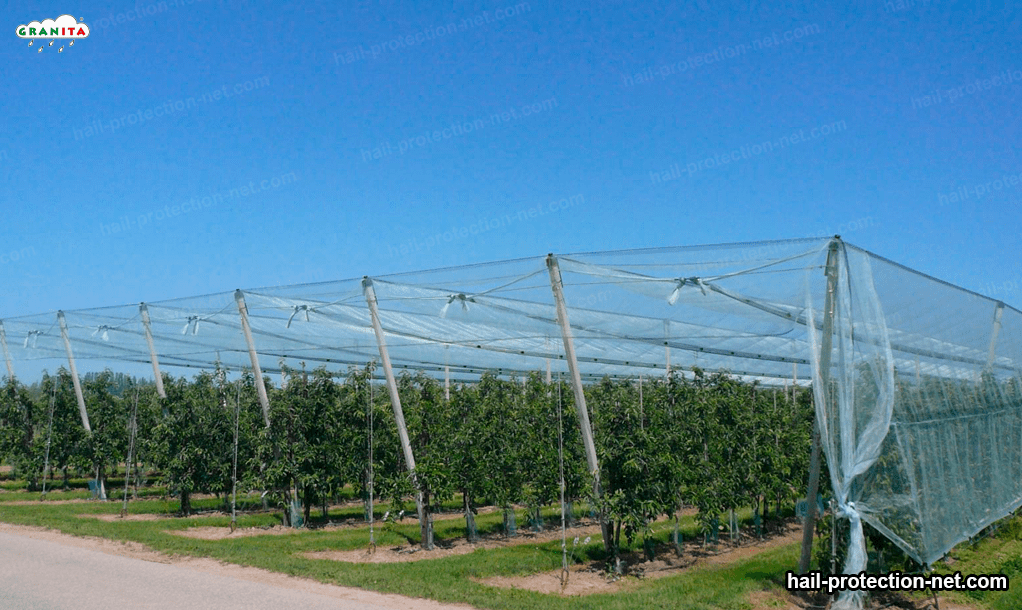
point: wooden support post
(395, 403)
(825, 355)
(147, 325)
(257, 371)
(7, 352)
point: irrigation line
(132, 428)
(49, 433)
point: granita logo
(64, 27)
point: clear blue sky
(359, 161)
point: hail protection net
(920, 420)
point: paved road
(43, 575)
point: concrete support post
(994, 332)
(576, 378)
(395, 403)
(257, 371)
(74, 372)
(78, 392)
(147, 325)
(826, 348)
(7, 352)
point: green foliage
(696, 439)
(709, 441)
(430, 425)
(18, 442)
(67, 436)
(107, 445)
(193, 443)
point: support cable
(49, 433)
(234, 465)
(369, 415)
(131, 451)
(560, 465)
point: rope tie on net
(297, 309)
(193, 324)
(32, 337)
(465, 300)
(103, 328)
(686, 281)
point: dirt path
(32, 559)
(447, 548)
(590, 579)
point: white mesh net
(921, 423)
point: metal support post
(395, 403)
(147, 325)
(264, 400)
(825, 355)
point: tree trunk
(287, 508)
(424, 527)
(510, 527)
(101, 481)
(470, 521)
(186, 502)
(608, 538)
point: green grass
(999, 553)
(449, 579)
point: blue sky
(313, 141)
